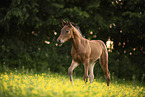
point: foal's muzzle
(60, 42)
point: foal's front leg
(71, 68)
(86, 66)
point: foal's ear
(63, 22)
(69, 24)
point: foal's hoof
(108, 84)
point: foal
(84, 51)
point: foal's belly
(94, 57)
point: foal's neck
(77, 39)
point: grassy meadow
(26, 84)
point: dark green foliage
(25, 25)
(126, 66)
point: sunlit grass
(48, 84)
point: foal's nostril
(58, 41)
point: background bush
(25, 25)
(42, 57)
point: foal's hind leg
(71, 68)
(104, 64)
(91, 73)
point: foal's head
(66, 32)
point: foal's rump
(97, 48)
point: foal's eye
(67, 31)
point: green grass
(14, 84)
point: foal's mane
(77, 27)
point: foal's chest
(78, 56)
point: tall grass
(29, 84)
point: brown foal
(84, 51)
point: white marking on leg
(70, 70)
(75, 65)
(91, 73)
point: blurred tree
(34, 21)
(128, 26)
(19, 16)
